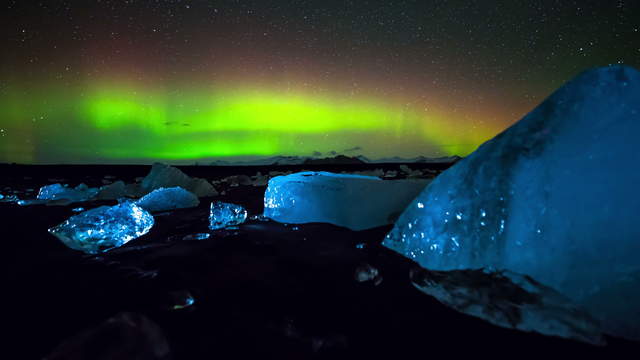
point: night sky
(184, 81)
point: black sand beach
(264, 290)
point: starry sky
(135, 81)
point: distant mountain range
(337, 160)
(419, 159)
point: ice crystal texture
(553, 197)
(225, 214)
(354, 201)
(164, 199)
(62, 192)
(104, 228)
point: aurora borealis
(128, 125)
(187, 81)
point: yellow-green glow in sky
(111, 124)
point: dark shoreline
(266, 290)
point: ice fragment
(104, 228)
(225, 214)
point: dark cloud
(357, 148)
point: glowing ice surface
(9, 198)
(104, 228)
(224, 214)
(354, 201)
(553, 197)
(59, 192)
(181, 299)
(164, 199)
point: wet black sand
(265, 290)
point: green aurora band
(124, 125)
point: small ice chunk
(226, 214)
(1, 196)
(166, 176)
(181, 299)
(9, 198)
(199, 236)
(259, 218)
(365, 272)
(164, 199)
(391, 174)
(78, 209)
(104, 228)
(413, 174)
(353, 201)
(58, 192)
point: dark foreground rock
(124, 336)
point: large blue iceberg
(104, 228)
(354, 201)
(553, 197)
